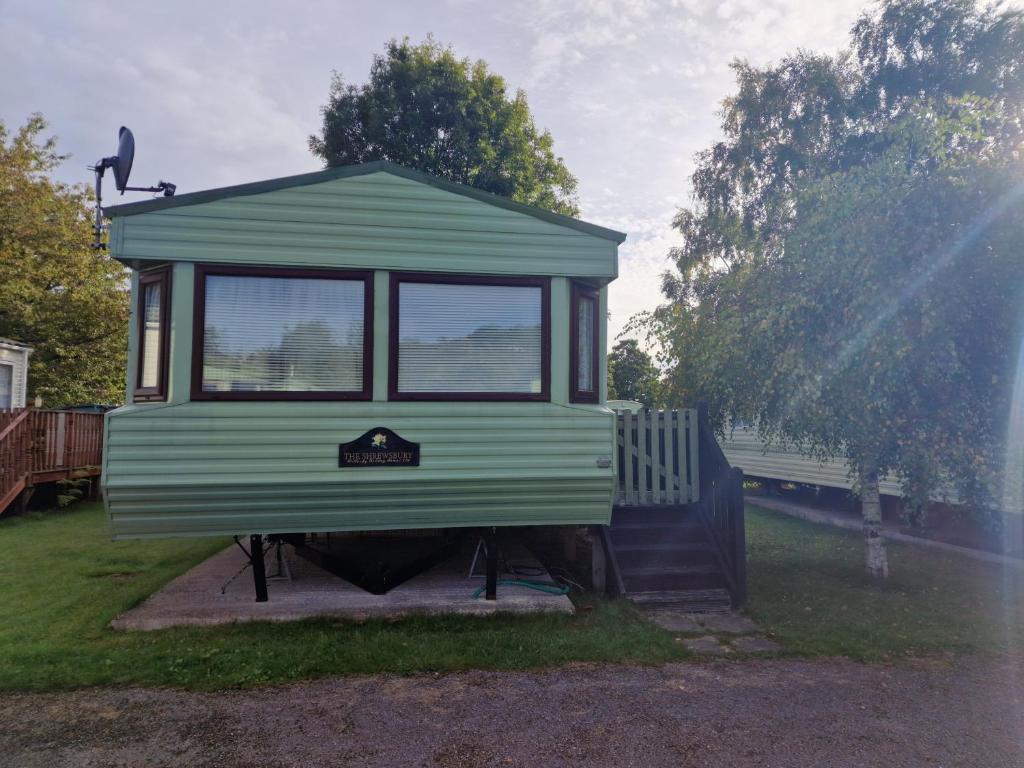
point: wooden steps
(8, 495)
(665, 559)
(687, 601)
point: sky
(227, 92)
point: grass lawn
(808, 588)
(62, 581)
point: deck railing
(15, 454)
(38, 446)
(658, 457)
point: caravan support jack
(259, 572)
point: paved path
(839, 520)
(785, 714)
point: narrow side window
(584, 383)
(152, 349)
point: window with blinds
(279, 334)
(151, 361)
(584, 346)
(471, 339)
(151, 304)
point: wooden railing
(15, 455)
(658, 457)
(38, 446)
(721, 508)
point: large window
(282, 334)
(151, 360)
(584, 346)
(469, 338)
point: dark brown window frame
(199, 323)
(444, 278)
(577, 395)
(161, 276)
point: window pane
(469, 338)
(6, 386)
(585, 363)
(282, 334)
(151, 299)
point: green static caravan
(363, 348)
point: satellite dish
(122, 165)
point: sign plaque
(380, 447)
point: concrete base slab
(196, 597)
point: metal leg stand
(491, 545)
(259, 573)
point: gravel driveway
(966, 712)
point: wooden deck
(44, 446)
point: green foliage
(65, 580)
(424, 108)
(808, 590)
(71, 490)
(847, 279)
(56, 294)
(632, 375)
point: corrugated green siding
(235, 468)
(743, 449)
(212, 468)
(378, 221)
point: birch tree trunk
(875, 558)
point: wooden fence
(658, 457)
(38, 446)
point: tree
(631, 374)
(58, 295)
(424, 108)
(846, 278)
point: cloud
(221, 93)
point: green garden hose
(549, 587)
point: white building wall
(16, 356)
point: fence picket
(694, 451)
(628, 443)
(641, 456)
(655, 456)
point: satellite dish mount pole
(121, 163)
(97, 229)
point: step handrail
(721, 507)
(14, 424)
(15, 457)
